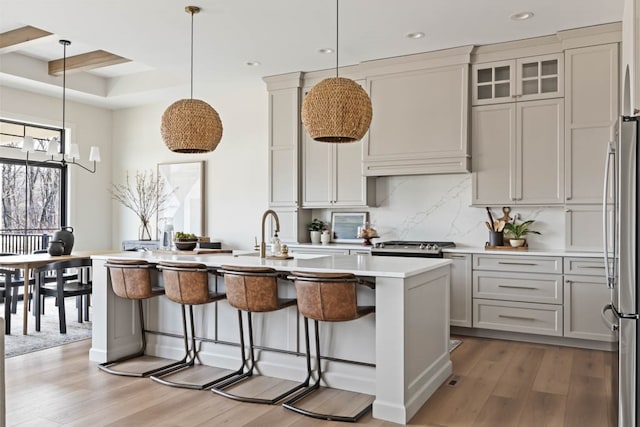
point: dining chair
(11, 282)
(9, 286)
(77, 285)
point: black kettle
(66, 237)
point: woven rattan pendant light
(191, 125)
(337, 109)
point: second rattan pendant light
(337, 109)
(191, 125)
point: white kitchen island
(401, 352)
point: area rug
(453, 344)
(49, 335)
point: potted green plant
(316, 227)
(185, 241)
(518, 231)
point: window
(33, 191)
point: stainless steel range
(419, 249)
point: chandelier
(72, 156)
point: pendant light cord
(337, 27)
(192, 54)
(64, 88)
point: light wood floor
(497, 383)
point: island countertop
(360, 265)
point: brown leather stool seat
(131, 279)
(187, 284)
(252, 290)
(327, 297)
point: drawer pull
(599, 267)
(517, 263)
(505, 316)
(461, 257)
(529, 288)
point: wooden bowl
(186, 245)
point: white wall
(89, 202)
(235, 173)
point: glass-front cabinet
(493, 82)
(522, 79)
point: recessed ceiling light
(416, 35)
(253, 63)
(521, 16)
(325, 50)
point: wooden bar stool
(131, 279)
(253, 290)
(188, 285)
(327, 297)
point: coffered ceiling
(152, 36)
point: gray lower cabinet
(585, 293)
(518, 294)
(555, 296)
(460, 290)
(515, 316)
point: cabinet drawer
(584, 266)
(542, 288)
(544, 319)
(525, 264)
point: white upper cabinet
(493, 83)
(284, 157)
(522, 79)
(284, 106)
(518, 153)
(591, 116)
(540, 152)
(333, 175)
(493, 136)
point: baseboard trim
(533, 338)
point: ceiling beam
(21, 35)
(86, 61)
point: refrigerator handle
(611, 151)
(610, 325)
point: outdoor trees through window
(33, 192)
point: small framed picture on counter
(344, 226)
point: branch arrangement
(145, 197)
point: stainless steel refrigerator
(620, 215)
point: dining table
(29, 261)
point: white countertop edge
(460, 249)
(536, 252)
(332, 245)
(360, 265)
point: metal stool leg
(108, 366)
(220, 388)
(191, 354)
(290, 404)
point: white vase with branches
(145, 197)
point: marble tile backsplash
(437, 207)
